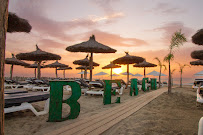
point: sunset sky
(143, 28)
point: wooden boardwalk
(102, 121)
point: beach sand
(168, 114)
(174, 114)
(26, 123)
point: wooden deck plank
(102, 121)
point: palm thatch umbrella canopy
(144, 64)
(17, 24)
(110, 66)
(91, 46)
(56, 65)
(35, 67)
(83, 67)
(64, 69)
(197, 54)
(38, 56)
(13, 61)
(197, 38)
(197, 62)
(85, 62)
(126, 60)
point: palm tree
(177, 39)
(181, 72)
(160, 64)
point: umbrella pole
(111, 73)
(127, 75)
(64, 74)
(81, 74)
(91, 63)
(56, 73)
(38, 69)
(35, 72)
(144, 72)
(85, 73)
(11, 72)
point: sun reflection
(117, 70)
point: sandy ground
(174, 114)
(26, 123)
(168, 114)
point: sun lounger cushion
(17, 99)
(12, 91)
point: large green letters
(144, 80)
(153, 84)
(107, 91)
(133, 87)
(56, 100)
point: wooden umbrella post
(38, 69)
(85, 73)
(144, 73)
(11, 72)
(127, 75)
(35, 72)
(3, 30)
(81, 74)
(111, 73)
(56, 73)
(64, 72)
(91, 65)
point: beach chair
(14, 91)
(41, 88)
(93, 92)
(199, 97)
(21, 101)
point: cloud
(46, 27)
(49, 43)
(166, 8)
(113, 39)
(170, 28)
(105, 5)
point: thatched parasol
(197, 54)
(128, 59)
(56, 65)
(17, 24)
(197, 62)
(64, 69)
(197, 38)
(35, 67)
(38, 56)
(110, 66)
(85, 62)
(144, 64)
(91, 46)
(13, 61)
(83, 68)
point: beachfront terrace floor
(145, 122)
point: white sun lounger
(13, 86)
(21, 101)
(101, 92)
(199, 98)
(44, 89)
(92, 92)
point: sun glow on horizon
(117, 70)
